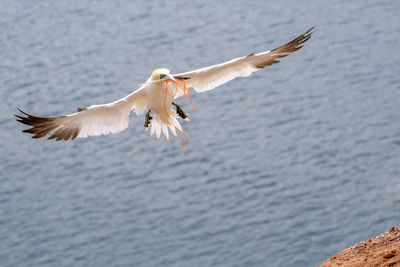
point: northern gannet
(156, 95)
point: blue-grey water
(283, 168)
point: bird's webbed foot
(180, 111)
(148, 119)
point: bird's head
(162, 75)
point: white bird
(156, 95)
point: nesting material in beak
(170, 77)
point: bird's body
(156, 95)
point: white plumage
(156, 95)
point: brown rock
(389, 255)
(382, 250)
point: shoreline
(381, 250)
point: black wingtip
(310, 31)
(21, 111)
(20, 118)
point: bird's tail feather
(160, 125)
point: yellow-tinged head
(162, 74)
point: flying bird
(155, 97)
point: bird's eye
(162, 76)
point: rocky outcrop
(382, 250)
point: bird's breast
(160, 97)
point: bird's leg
(180, 111)
(148, 119)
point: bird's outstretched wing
(208, 78)
(94, 120)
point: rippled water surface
(283, 168)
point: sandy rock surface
(382, 250)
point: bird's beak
(169, 76)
